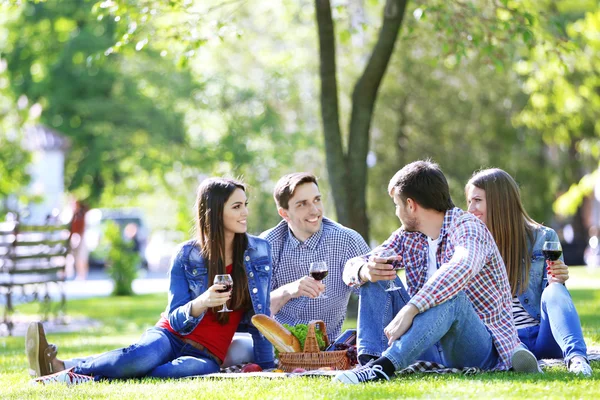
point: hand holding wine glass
(227, 282)
(318, 271)
(557, 270)
(385, 256)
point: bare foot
(58, 365)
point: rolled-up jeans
(450, 333)
(559, 333)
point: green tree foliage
(564, 105)
(119, 111)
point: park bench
(31, 258)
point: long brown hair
(508, 223)
(213, 193)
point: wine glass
(228, 283)
(318, 271)
(552, 251)
(388, 253)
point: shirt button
(526, 301)
(255, 290)
(194, 272)
(251, 274)
(267, 268)
(259, 306)
(247, 258)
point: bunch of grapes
(340, 346)
(352, 355)
(350, 352)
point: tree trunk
(348, 172)
(334, 151)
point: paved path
(98, 284)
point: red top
(209, 332)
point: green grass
(124, 319)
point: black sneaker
(364, 359)
(366, 373)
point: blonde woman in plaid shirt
(459, 294)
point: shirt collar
(448, 218)
(311, 242)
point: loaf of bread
(281, 338)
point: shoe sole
(524, 361)
(32, 346)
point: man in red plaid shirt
(458, 292)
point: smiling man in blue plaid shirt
(459, 291)
(302, 237)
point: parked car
(161, 247)
(133, 226)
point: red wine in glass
(226, 281)
(318, 275)
(318, 271)
(228, 288)
(552, 255)
(390, 255)
(552, 250)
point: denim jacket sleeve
(181, 294)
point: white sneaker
(66, 376)
(579, 365)
(524, 361)
(366, 373)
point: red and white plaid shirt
(469, 260)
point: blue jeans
(376, 309)
(451, 333)
(559, 332)
(158, 353)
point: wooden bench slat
(48, 254)
(22, 280)
(41, 242)
(34, 269)
(42, 228)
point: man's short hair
(286, 186)
(424, 182)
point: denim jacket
(189, 279)
(531, 299)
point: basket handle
(310, 344)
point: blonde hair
(508, 223)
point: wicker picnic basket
(312, 357)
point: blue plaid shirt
(333, 243)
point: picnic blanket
(431, 367)
(417, 367)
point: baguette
(281, 338)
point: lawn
(124, 319)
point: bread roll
(281, 338)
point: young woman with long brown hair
(543, 310)
(191, 337)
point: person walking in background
(460, 295)
(305, 236)
(80, 251)
(542, 307)
(193, 335)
